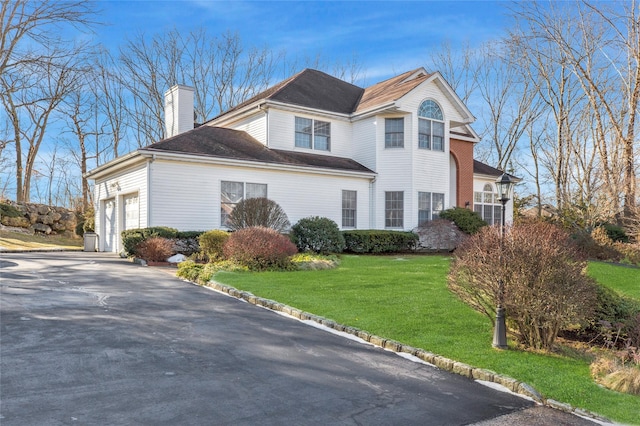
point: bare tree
(30, 99)
(222, 71)
(460, 67)
(36, 69)
(600, 46)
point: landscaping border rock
(40, 218)
(438, 361)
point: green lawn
(22, 241)
(406, 299)
(623, 279)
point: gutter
(256, 164)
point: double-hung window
(313, 134)
(231, 193)
(349, 208)
(430, 126)
(487, 205)
(430, 204)
(394, 132)
(394, 209)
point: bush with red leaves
(155, 249)
(259, 248)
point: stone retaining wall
(42, 219)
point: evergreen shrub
(379, 241)
(132, 237)
(615, 233)
(9, 211)
(466, 220)
(317, 234)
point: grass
(623, 279)
(21, 241)
(406, 299)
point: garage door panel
(131, 211)
(110, 229)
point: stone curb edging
(441, 362)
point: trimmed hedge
(132, 237)
(379, 241)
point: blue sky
(386, 37)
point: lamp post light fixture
(504, 185)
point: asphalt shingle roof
(227, 143)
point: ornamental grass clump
(259, 248)
(546, 288)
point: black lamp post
(504, 185)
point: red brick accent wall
(462, 152)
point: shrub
(614, 322)
(466, 220)
(202, 274)
(132, 237)
(155, 249)
(259, 248)
(545, 287)
(189, 270)
(9, 211)
(593, 249)
(258, 212)
(89, 223)
(211, 244)
(313, 262)
(615, 233)
(318, 235)
(379, 241)
(629, 253)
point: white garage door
(131, 211)
(109, 220)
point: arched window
(430, 126)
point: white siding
(364, 141)
(187, 195)
(116, 187)
(255, 125)
(282, 133)
(394, 168)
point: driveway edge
(441, 362)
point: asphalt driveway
(88, 338)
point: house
(390, 156)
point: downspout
(149, 163)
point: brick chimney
(178, 110)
